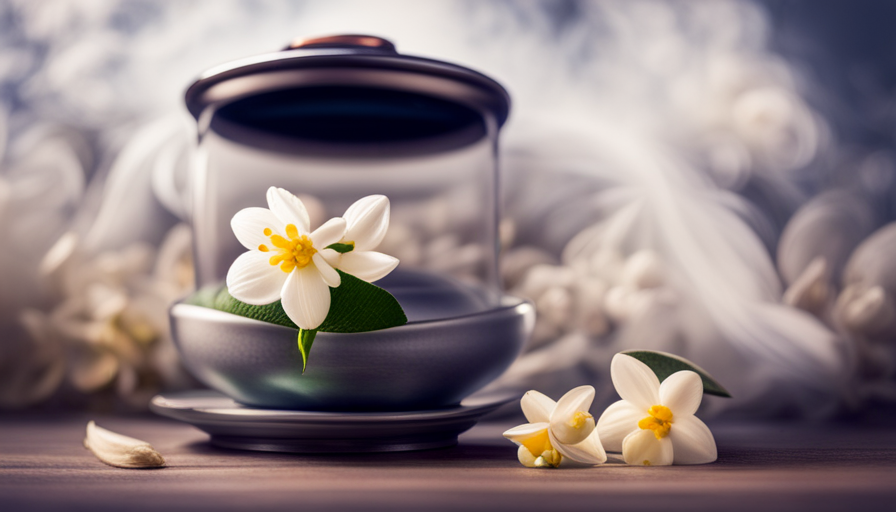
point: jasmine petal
(328, 233)
(288, 208)
(367, 221)
(682, 392)
(327, 273)
(616, 422)
(254, 280)
(249, 224)
(121, 451)
(537, 407)
(306, 297)
(634, 381)
(642, 448)
(692, 441)
(369, 266)
(570, 421)
(589, 451)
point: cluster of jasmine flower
(652, 425)
(107, 337)
(835, 257)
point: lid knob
(344, 41)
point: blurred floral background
(709, 178)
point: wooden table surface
(771, 466)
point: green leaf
(306, 339)
(355, 306)
(358, 306)
(664, 364)
(271, 313)
(342, 248)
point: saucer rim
(475, 405)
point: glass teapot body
(334, 124)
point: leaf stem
(306, 339)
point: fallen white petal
(330, 276)
(618, 421)
(642, 448)
(367, 222)
(635, 381)
(369, 266)
(306, 297)
(692, 441)
(682, 393)
(537, 406)
(121, 451)
(328, 233)
(253, 280)
(288, 208)
(589, 451)
(249, 224)
(575, 400)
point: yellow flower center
(538, 444)
(660, 421)
(579, 420)
(541, 448)
(294, 252)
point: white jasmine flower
(643, 270)
(810, 291)
(558, 430)
(366, 224)
(284, 260)
(654, 424)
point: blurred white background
(709, 178)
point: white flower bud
(541, 277)
(644, 269)
(555, 305)
(868, 311)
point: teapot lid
(358, 60)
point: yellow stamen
(579, 419)
(294, 252)
(279, 242)
(538, 444)
(647, 462)
(660, 421)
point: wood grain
(784, 466)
